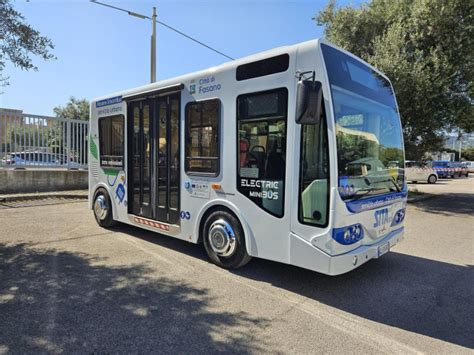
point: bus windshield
(368, 131)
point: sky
(100, 50)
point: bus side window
(261, 141)
(314, 174)
(202, 138)
(111, 141)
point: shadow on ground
(423, 296)
(439, 182)
(448, 204)
(419, 295)
(55, 301)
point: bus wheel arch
(221, 221)
(102, 207)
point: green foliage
(354, 147)
(74, 109)
(468, 154)
(426, 48)
(388, 155)
(23, 136)
(18, 41)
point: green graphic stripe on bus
(110, 172)
(93, 148)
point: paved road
(68, 285)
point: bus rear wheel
(103, 209)
(224, 240)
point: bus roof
(231, 65)
(219, 68)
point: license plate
(383, 249)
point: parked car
(23, 159)
(442, 168)
(464, 169)
(470, 166)
(416, 171)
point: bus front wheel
(224, 240)
(103, 209)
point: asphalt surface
(67, 285)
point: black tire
(432, 179)
(223, 249)
(102, 208)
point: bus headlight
(348, 235)
(398, 217)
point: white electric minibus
(293, 155)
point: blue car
(443, 169)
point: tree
(468, 154)
(74, 109)
(18, 41)
(426, 49)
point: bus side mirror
(309, 101)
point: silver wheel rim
(432, 179)
(221, 238)
(100, 207)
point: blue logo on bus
(381, 217)
(109, 101)
(185, 215)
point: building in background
(8, 119)
(35, 140)
(445, 156)
(453, 141)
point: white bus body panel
(280, 239)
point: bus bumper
(304, 254)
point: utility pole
(154, 21)
(153, 47)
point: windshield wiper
(393, 181)
(359, 196)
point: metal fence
(32, 141)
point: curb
(42, 197)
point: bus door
(140, 152)
(154, 158)
(166, 151)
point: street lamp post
(153, 34)
(153, 40)
(153, 47)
